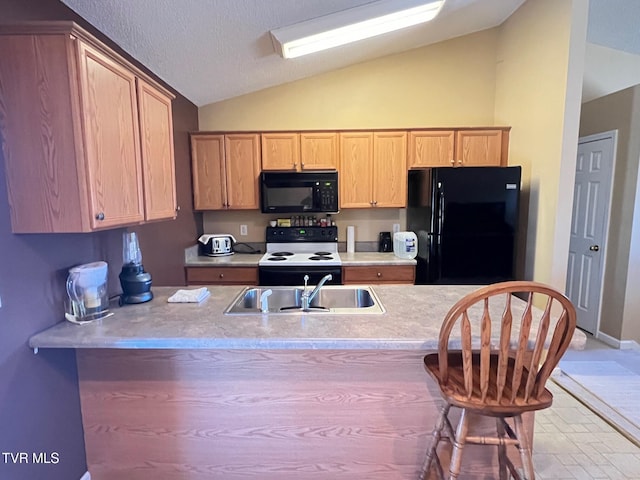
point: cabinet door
(112, 147)
(207, 168)
(356, 170)
(280, 151)
(242, 166)
(319, 150)
(431, 148)
(479, 148)
(390, 169)
(158, 164)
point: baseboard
(86, 476)
(615, 343)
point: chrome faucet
(307, 298)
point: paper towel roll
(351, 239)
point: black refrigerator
(466, 221)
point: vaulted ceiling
(211, 50)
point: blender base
(135, 298)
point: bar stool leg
(525, 449)
(458, 445)
(435, 439)
(502, 450)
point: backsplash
(368, 223)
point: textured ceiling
(211, 50)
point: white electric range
(293, 252)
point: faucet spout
(307, 298)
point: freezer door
(477, 200)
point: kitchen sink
(331, 299)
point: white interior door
(589, 226)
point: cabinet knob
(371, 203)
(378, 274)
(177, 208)
(375, 203)
(295, 165)
(301, 165)
(100, 216)
(222, 275)
(459, 162)
(453, 162)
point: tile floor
(572, 442)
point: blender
(135, 282)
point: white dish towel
(189, 296)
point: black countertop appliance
(384, 242)
(466, 220)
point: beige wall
(454, 83)
(448, 84)
(535, 70)
(620, 111)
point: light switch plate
(243, 230)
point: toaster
(217, 245)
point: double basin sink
(331, 299)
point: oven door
(294, 276)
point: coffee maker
(384, 242)
(135, 282)
(87, 291)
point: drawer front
(379, 274)
(222, 275)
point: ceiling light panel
(352, 25)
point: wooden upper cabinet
(158, 162)
(207, 168)
(242, 167)
(356, 169)
(431, 148)
(281, 151)
(373, 169)
(77, 124)
(480, 148)
(318, 150)
(390, 169)
(226, 170)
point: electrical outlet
(243, 230)
(396, 227)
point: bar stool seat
(501, 375)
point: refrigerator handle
(440, 210)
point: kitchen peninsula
(182, 391)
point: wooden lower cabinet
(222, 275)
(379, 274)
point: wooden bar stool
(499, 374)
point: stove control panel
(301, 234)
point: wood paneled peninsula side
(179, 391)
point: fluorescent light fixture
(352, 25)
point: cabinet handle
(100, 216)
(378, 274)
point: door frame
(613, 134)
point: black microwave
(291, 192)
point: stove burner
(282, 254)
(320, 257)
(276, 259)
(322, 253)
